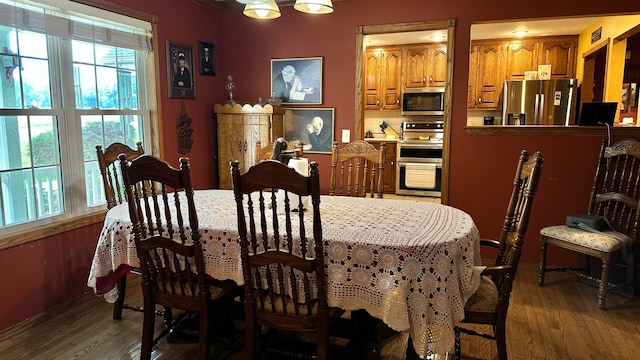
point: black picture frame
(308, 70)
(206, 58)
(181, 81)
(295, 128)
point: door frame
(448, 25)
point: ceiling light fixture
(314, 6)
(520, 32)
(253, 2)
(267, 10)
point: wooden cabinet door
(415, 68)
(560, 53)
(372, 65)
(389, 178)
(391, 79)
(437, 66)
(254, 127)
(489, 73)
(521, 56)
(230, 146)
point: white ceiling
(545, 27)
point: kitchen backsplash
(476, 117)
(373, 119)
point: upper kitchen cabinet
(486, 74)
(382, 79)
(560, 52)
(520, 56)
(526, 55)
(425, 66)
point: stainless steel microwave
(428, 101)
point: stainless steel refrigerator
(538, 102)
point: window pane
(92, 135)
(8, 42)
(10, 89)
(32, 44)
(127, 89)
(14, 141)
(134, 130)
(106, 55)
(113, 129)
(85, 86)
(49, 194)
(82, 52)
(18, 200)
(94, 185)
(35, 77)
(107, 88)
(126, 59)
(44, 141)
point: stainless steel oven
(419, 158)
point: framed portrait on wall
(313, 127)
(206, 56)
(297, 80)
(179, 71)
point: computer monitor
(597, 113)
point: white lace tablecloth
(412, 264)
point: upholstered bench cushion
(604, 242)
(485, 298)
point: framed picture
(314, 127)
(179, 67)
(297, 80)
(206, 57)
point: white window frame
(77, 213)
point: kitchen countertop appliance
(419, 158)
(539, 102)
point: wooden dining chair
(266, 153)
(489, 304)
(360, 171)
(282, 259)
(616, 196)
(109, 165)
(169, 248)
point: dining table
(410, 263)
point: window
(63, 90)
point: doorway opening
(447, 26)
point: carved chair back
(110, 171)
(357, 169)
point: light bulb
(314, 7)
(262, 12)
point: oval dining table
(411, 264)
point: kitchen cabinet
(491, 62)
(520, 56)
(485, 75)
(560, 52)
(389, 179)
(425, 66)
(382, 79)
(238, 129)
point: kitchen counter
(550, 130)
(381, 139)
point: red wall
(481, 166)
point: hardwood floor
(558, 321)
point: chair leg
(604, 285)
(543, 263)
(501, 338)
(117, 306)
(323, 345)
(203, 334)
(148, 326)
(458, 350)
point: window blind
(69, 24)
